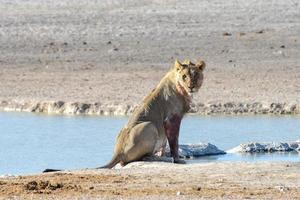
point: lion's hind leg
(142, 141)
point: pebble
(260, 32)
(227, 34)
(281, 188)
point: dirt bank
(162, 181)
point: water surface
(31, 142)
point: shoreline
(79, 108)
(156, 180)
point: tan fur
(158, 118)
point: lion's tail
(118, 155)
(51, 170)
(115, 160)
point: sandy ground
(162, 181)
(117, 51)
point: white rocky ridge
(197, 150)
(186, 151)
(77, 108)
(255, 147)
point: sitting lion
(158, 118)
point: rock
(281, 188)
(295, 145)
(260, 31)
(33, 185)
(278, 147)
(55, 186)
(255, 147)
(196, 150)
(297, 109)
(42, 185)
(248, 148)
(227, 34)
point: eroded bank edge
(77, 108)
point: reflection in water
(275, 156)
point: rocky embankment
(75, 108)
(187, 151)
(268, 147)
(197, 150)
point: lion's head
(189, 75)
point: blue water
(31, 142)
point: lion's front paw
(160, 153)
(178, 161)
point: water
(29, 143)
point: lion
(157, 120)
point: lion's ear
(178, 66)
(201, 65)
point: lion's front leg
(172, 126)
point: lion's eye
(184, 77)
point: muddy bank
(60, 107)
(144, 180)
